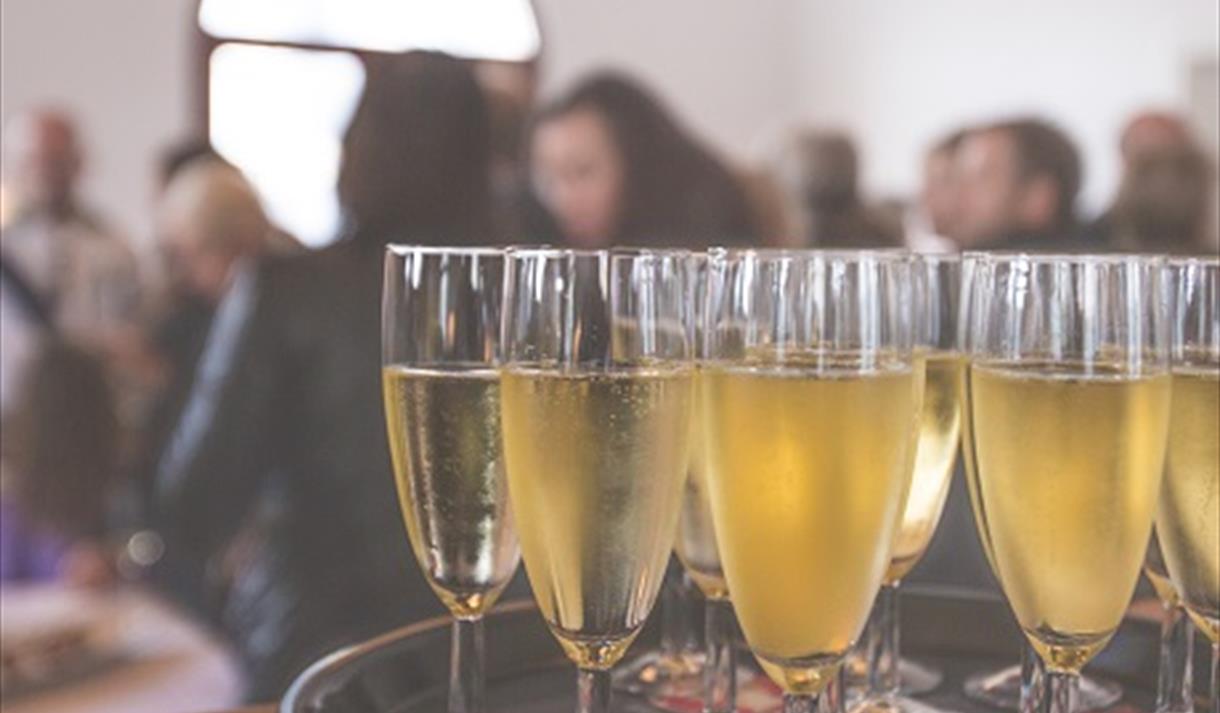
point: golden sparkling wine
(1066, 469)
(696, 543)
(595, 466)
(444, 429)
(1158, 576)
(1188, 518)
(808, 466)
(939, 428)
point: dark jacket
(294, 434)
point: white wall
(728, 68)
(899, 73)
(122, 67)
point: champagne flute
(1188, 517)
(1174, 687)
(1067, 411)
(440, 325)
(596, 399)
(1017, 687)
(811, 396)
(696, 542)
(936, 282)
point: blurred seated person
(60, 456)
(821, 170)
(1017, 187)
(286, 403)
(1165, 193)
(930, 224)
(609, 165)
(85, 274)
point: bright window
(284, 78)
(279, 114)
(478, 29)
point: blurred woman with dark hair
(61, 456)
(285, 412)
(609, 165)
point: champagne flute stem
(671, 615)
(1173, 690)
(884, 678)
(834, 698)
(800, 703)
(1032, 680)
(1060, 692)
(593, 691)
(466, 667)
(1215, 692)
(720, 669)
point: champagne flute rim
(888, 254)
(1199, 260)
(938, 258)
(404, 249)
(1063, 257)
(613, 252)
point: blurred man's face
(47, 163)
(578, 175)
(940, 188)
(194, 268)
(1153, 133)
(989, 189)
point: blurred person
(1165, 193)
(507, 115)
(181, 155)
(1150, 131)
(1017, 187)
(932, 221)
(773, 224)
(609, 165)
(210, 222)
(1162, 203)
(83, 271)
(211, 227)
(821, 169)
(60, 450)
(25, 320)
(285, 412)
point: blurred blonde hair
(213, 204)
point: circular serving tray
(406, 671)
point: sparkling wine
(808, 463)
(1066, 469)
(444, 428)
(596, 464)
(936, 451)
(1188, 520)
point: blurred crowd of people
(228, 413)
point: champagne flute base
(915, 678)
(901, 704)
(1002, 689)
(656, 673)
